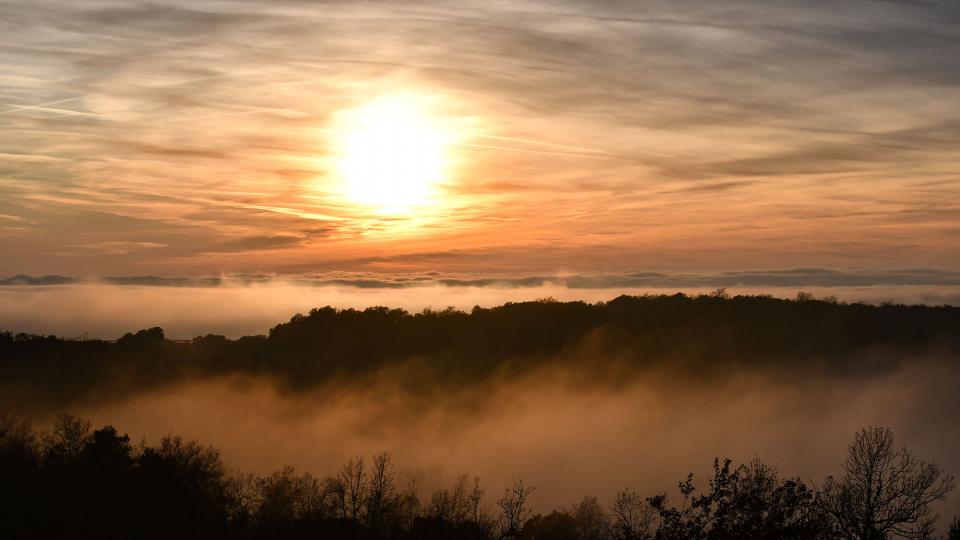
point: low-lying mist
(567, 438)
(575, 398)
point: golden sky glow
(242, 136)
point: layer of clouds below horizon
(568, 439)
(234, 306)
(191, 135)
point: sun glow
(392, 154)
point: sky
(210, 137)
(214, 166)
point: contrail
(294, 212)
(579, 149)
(537, 151)
(43, 106)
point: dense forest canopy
(697, 336)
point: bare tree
(334, 496)
(451, 505)
(352, 478)
(17, 440)
(475, 500)
(244, 497)
(69, 436)
(381, 496)
(592, 523)
(310, 502)
(633, 518)
(277, 496)
(409, 503)
(478, 512)
(514, 509)
(884, 491)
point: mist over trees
(77, 482)
(101, 484)
(698, 337)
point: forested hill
(698, 335)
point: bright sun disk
(391, 154)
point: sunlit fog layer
(569, 439)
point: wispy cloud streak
(605, 136)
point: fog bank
(107, 311)
(565, 438)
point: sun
(393, 153)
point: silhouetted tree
(244, 498)
(48, 374)
(478, 513)
(451, 505)
(20, 461)
(69, 437)
(746, 503)
(954, 532)
(690, 520)
(557, 525)
(514, 509)
(181, 491)
(410, 505)
(80, 483)
(352, 479)
(633, 518)
(592, 523)
(278, 495)
(152, 337)
(382, 502)
(883, 490)
(752, 503)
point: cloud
(797, 277)
(21, 279)
(256, 243)
(701, 136)
(121, 247)
(161, 281)
(236, 305)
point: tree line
(698, 336)
(77, 482)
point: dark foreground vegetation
(74, 482)
(699, 336)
